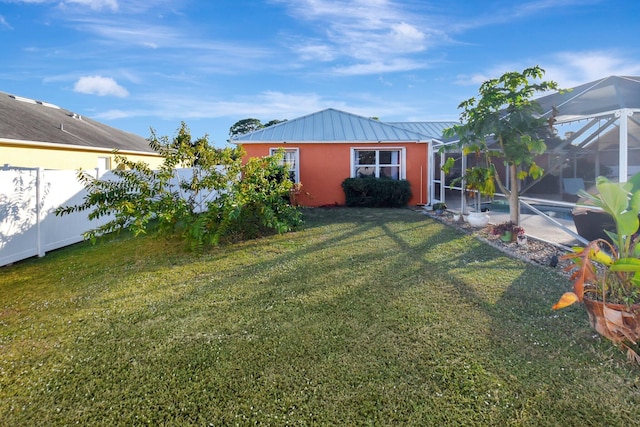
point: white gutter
(53, 145)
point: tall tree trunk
(514, 195)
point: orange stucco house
(326, 147)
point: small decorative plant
(606, 274)
(478, 181)
(439, 207)
(509, 231)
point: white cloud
(574, 68)
(101, 86)
(96, 4)
(4, 23)
(265, 105)
(473, 79)
(268, 104)
(407, 37)
(568, 69)
(494, 72)
(129, 33)
(118, 114)
(93, 4)
(392, 65)
(31, 1)
(316, 52)
(378, 35)
(501, 12)
(221, 56)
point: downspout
(421, 187)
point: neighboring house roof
(332, 125)
(24, 120)
(593, 99)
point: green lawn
(363, 317)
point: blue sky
(141, 64)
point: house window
(104, 163)
(291, 162)
(386, 163)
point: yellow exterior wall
(66, 157)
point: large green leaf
(627, 223)
(626, 264)
(614, 199)
(635, 202)
(636, 280)
(635, 182)
(537, 146)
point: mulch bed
(535, 251)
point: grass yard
(363, 317)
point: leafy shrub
(440, 206)
(252, 199)
(257, 204)
(507, 227)
(376, 192)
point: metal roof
(593, 99)
(28, 120)
(433, 130)
(332, 125)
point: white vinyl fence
(28, 200)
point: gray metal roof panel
(432, 130)
(599, 96)
(331, 125)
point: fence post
(39, 205)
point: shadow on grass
(362, 316)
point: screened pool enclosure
(597, 132)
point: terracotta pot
(616, 322)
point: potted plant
(478, 182)
(606, 273)
(439, 208)
(508, 231)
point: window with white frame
(104, 163)
(291, 162)
(379, 163)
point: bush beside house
(376, 192)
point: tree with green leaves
(274, 122)
(504, 124)
(245, 126)
(256, 204)
(250, 125)
(141, 199)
